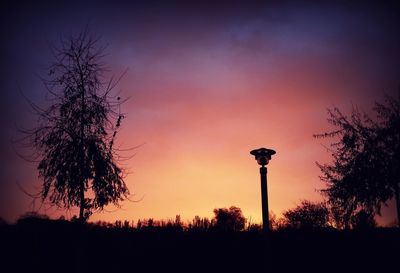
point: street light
(263, 156)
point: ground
(61, 246)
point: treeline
(209, 245)
(307, 215)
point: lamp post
(263, 156)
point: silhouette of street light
(263, 156)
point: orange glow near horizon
(195, 153)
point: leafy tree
(363, 220)
(231, 219)
(200, 224)
(365, 172)
(307, 215)
(389, 142)
(75, 136)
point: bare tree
(75, 135)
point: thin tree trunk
(397, 198)
(82, 157)
(82, 203)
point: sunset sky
(207, 82)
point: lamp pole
(263, 156)
(264, 198)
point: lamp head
(263, 155)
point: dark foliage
(2, 222)
(365, 172)
(32, 216)
(75, 135)
(51, 245)
(363, 220)
(231, 219)
(307, 215)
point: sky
(207, 82)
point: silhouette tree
(389, 143)
(201, 224)
(75, 136)
(365, 172)
(307, 215)
(363, 220)
(231, 219)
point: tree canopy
(75, 135)
(364, 173)
(307, 215)
(231, 219)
